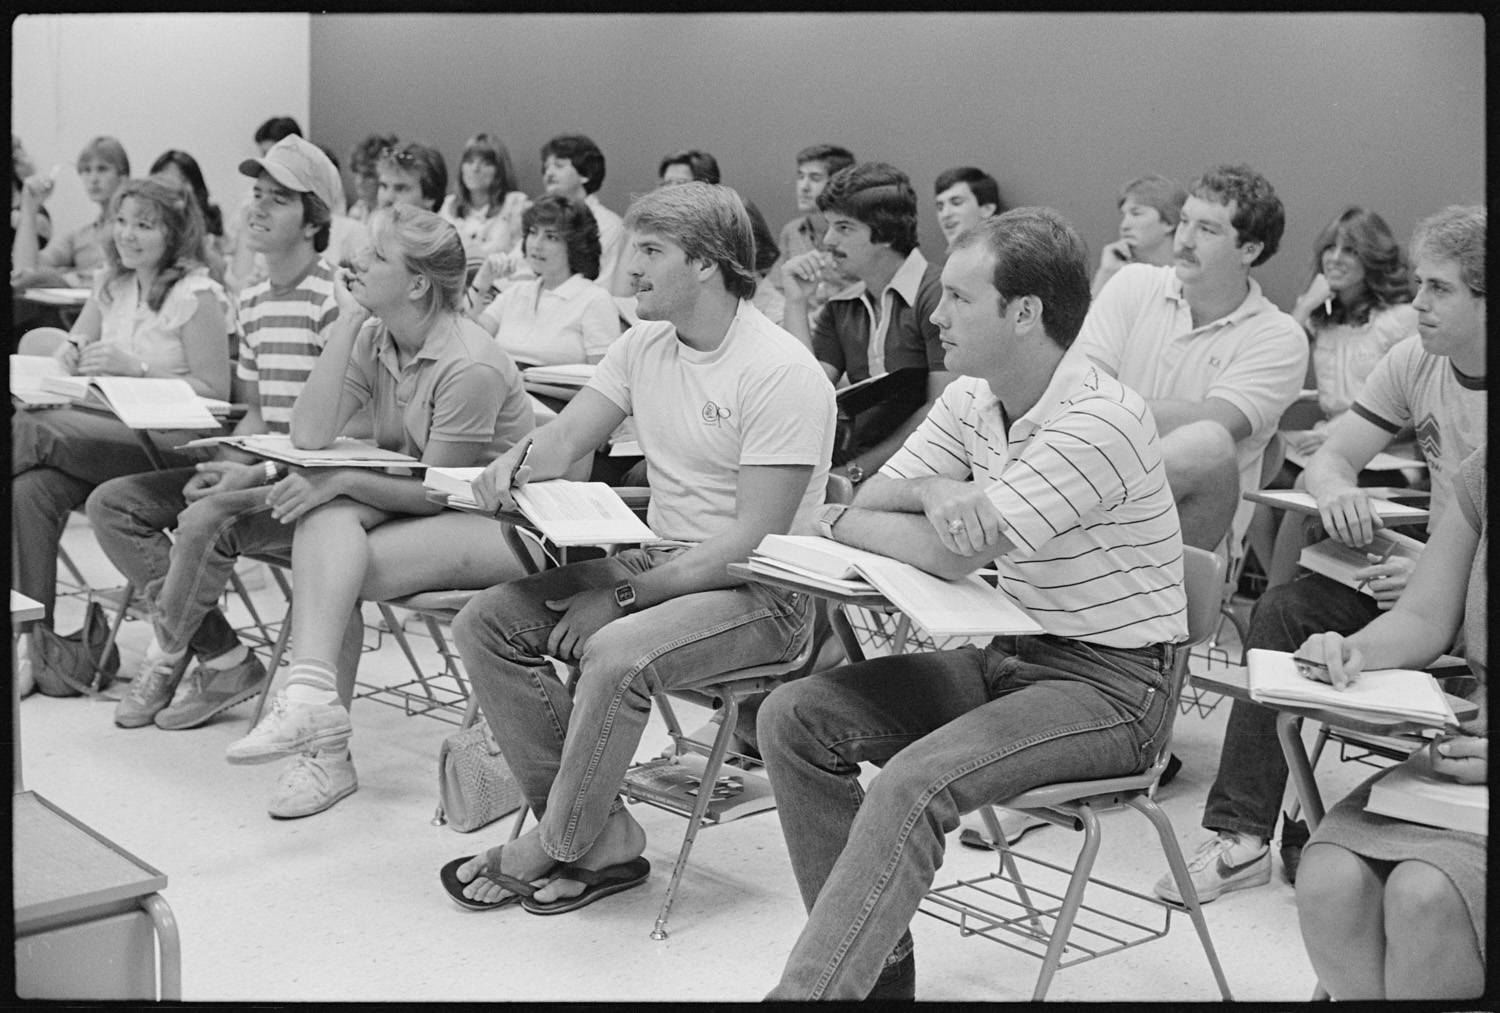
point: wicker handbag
(475, 787)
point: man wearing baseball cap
(218, 507)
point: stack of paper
(345, 452)
(1385, 692)
(944, 608)
(1412, 792)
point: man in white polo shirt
(1039, 461)
(1215, 359)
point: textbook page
(581, 513)
(1390, 692)
(154, 402)
(945, 608)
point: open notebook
(1386, 692)
(567, 513)
(140, 402)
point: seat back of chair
(1203, 581)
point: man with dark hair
(1035, 460)
(1150, 207)
(573, 166)
(1433, 382)
(273, 130)
(687, 166)
(736, 421)
(1217, 361)
(965, 196)
(412, 173)
(816, 165)
(877, 328)
(219, 507)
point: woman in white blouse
(561, 315)
(486, 205)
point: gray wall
(1385, 110)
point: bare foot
(523, 858)
(621, 840)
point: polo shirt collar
(1253, 303)
(437, 342)
(1072, 370)
(905, 282)
(573, 285)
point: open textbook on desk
(345, 452)
(567, 513)
(1399, 693)
(139, 402)
(944, 608)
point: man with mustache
(881, 326)
(1216, 360)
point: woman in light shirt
(486, 205)
(562, 315)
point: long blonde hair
(177, 212)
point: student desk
(874, 602)
(1234, 682)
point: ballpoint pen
(521, 463)
(1364, 585)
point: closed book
(1337, 561)
(1412, 792)
(455, 483)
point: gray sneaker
(149, 692)
(205, 693)
(1221, 864)
(312, 783)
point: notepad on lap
(944, 608)
(581, 513)
(1383, 692)
(344, 452)
(1411, 792)
(140, 402)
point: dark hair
(1455, 233)
(703, 166)
(877, 195)
(1159, 193)
(427, 163)
(980, 183)
(1258, 214)
(177, 211)
(367, 152)
(584, 154)
(315, 212)
(487, 148)
(1387, 277)
(1038, 253)
(577, 224)
(766, 250)
(213, 218)
(709, 222)
(275, 128)
(833, 157)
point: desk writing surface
(1234, 682)
(24, 609)
(60, 865)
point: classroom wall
(155, 81)
(1387, 110)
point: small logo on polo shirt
(713, 414)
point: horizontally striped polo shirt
(1080, 484)
(281, 331)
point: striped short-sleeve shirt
(1080, 485)
(281, 331)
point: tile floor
(346, 904)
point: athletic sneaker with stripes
(1224, 862)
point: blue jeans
(953, 730)
(1247, 792)
(570, 749)
(58, 455)
(182, 582)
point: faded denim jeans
(570, 749)
(953, 731)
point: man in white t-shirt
(736, 420)
(1434, 382)
(1217, 362)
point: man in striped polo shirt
(218, 507)
(1039, 461)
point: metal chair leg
(282, 637)
(1072, 900)
(1184, 881)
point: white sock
(154, 652)
(311, 683)
(236, 655)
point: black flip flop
(598, 883)
(455, 887)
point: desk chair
(982, 907)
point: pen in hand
(1309, 669)
(520, 463)
(1364, 585)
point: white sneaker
(1222, 863)
(312, 783)
(286, 730)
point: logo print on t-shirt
(712, 414)
(1430, 442)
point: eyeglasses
(403, 156)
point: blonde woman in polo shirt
(437, 389)
(561, 315)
